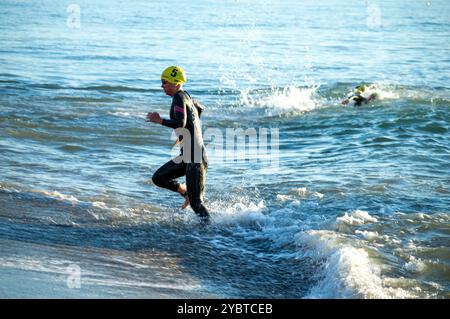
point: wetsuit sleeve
(177, 113)
(199, 107)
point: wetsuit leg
(195, 182)
(166, 176)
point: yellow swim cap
(360, 88)
(174, 74)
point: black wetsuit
(185, 113)
(359, 100)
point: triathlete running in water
(193, 161)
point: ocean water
(356, 207)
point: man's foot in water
(186, 202)
(205, 221)
(183, 192)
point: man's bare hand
(154, 118)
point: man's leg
(166, 176)
(195, 181)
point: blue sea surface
(353, 202)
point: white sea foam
(301, 191)
(290, 99)
(59, 196)
(304, 192)
(8, 188)
(415, 265)
(369, 235)
(357, 266)
(318, 195)
(346, 271)
(356, 218)
(128, 114)
(99, 205)
(283, 198)
(239, 213)
(385, 92)
(95, 210)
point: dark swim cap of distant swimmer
(174, 74)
